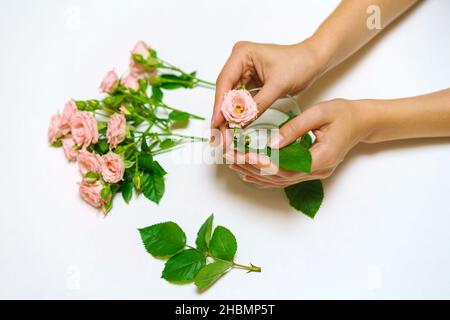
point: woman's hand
(338, 126)
(278, 69)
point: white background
(383, 230)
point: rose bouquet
(239, 110)
(114, 139)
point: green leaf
(295, 157)
(204, 234)
(127, 190)
(144, 145)
(306, 140)
(306, 196)
(223, 244)
(102, 146)
(171, 82)
(163, 239)
(157, 94)
(211, 273)
(167, 144)
(149, 165)
(184, 266)
(176, 115)
(153, 187)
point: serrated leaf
(223, 244)
(204, 235)
(153, 186)
(149, 165)
(163, 239)
(127, 190)
(184, 266)
(211, 273)
(306, 196)
(294, 157)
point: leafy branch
(212, 256)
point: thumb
(311, 119)
(266, 96)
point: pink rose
(69, 149)
(239, 108)
(66, 117)
(130, 81)
(84, 128)
(91, 193)
(89, 162)
(116, 129)
(110, 82)
(113, 168)
(54, 133)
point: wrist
(324, 51)
(370, 116)
(319, 54)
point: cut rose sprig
(114, 139)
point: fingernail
(275, 142)
(212, 140)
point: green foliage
(188, 264)
(163, 239)
(223, 244)
(184, 266)
(295, 157)
(211, 273)
(180, 116)
(204, 235)
(153, 186)
(306, 196)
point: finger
(260, 182)
(322, 158)
(311, 119)
(227, 80)
(247, 169)
(267, 96)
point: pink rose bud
(130, 81)
(116, 129)
(66, 117)
(142, 49)
(238, 108)
(54, 133)
(89, 162)
(84, 128)
(90, 192)
(110, 82)
(113, 168)
(69, 147)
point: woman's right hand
(277, 69)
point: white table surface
(383, 230)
